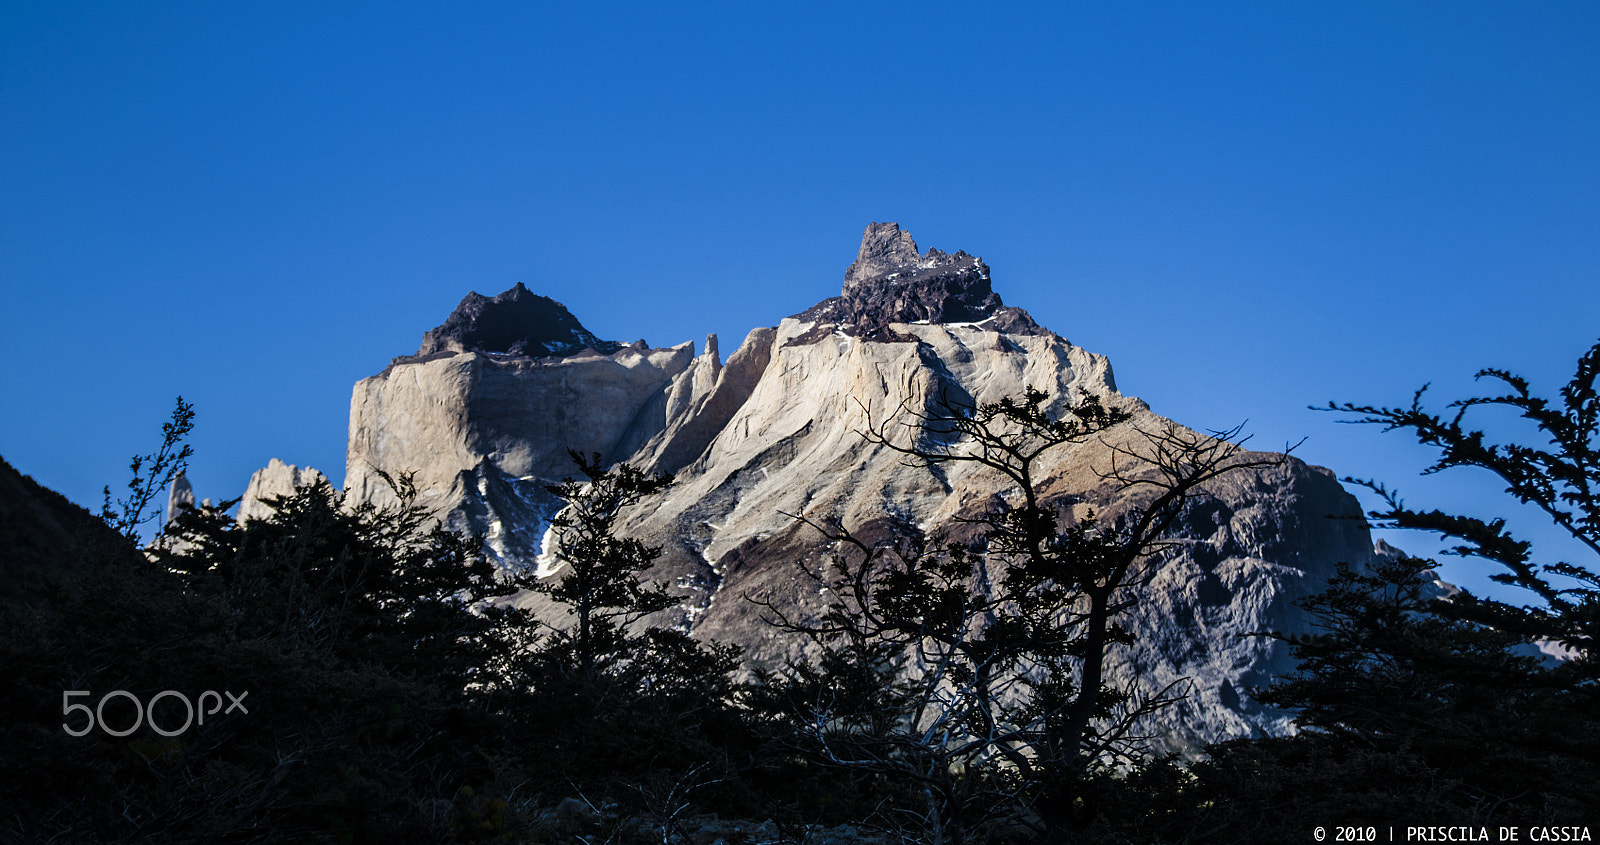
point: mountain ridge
(774, 430)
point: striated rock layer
(775, 431)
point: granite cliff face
(774, 430)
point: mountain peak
(517, 322)
(889, 256)
(888, 250)
(891, 281)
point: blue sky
(1250, 207)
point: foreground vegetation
(387, 693)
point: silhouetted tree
(1421, 704)
(613, 695)
(1501, 698)
(150, 475)
(598, 578)
(975, 672)
(355, 581)
(350, 635)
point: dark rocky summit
(891, 282)
(517, 322)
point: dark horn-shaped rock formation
(517, 322)
(891, 282)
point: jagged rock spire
(179, 496)
(891, 281)
(885, 249)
